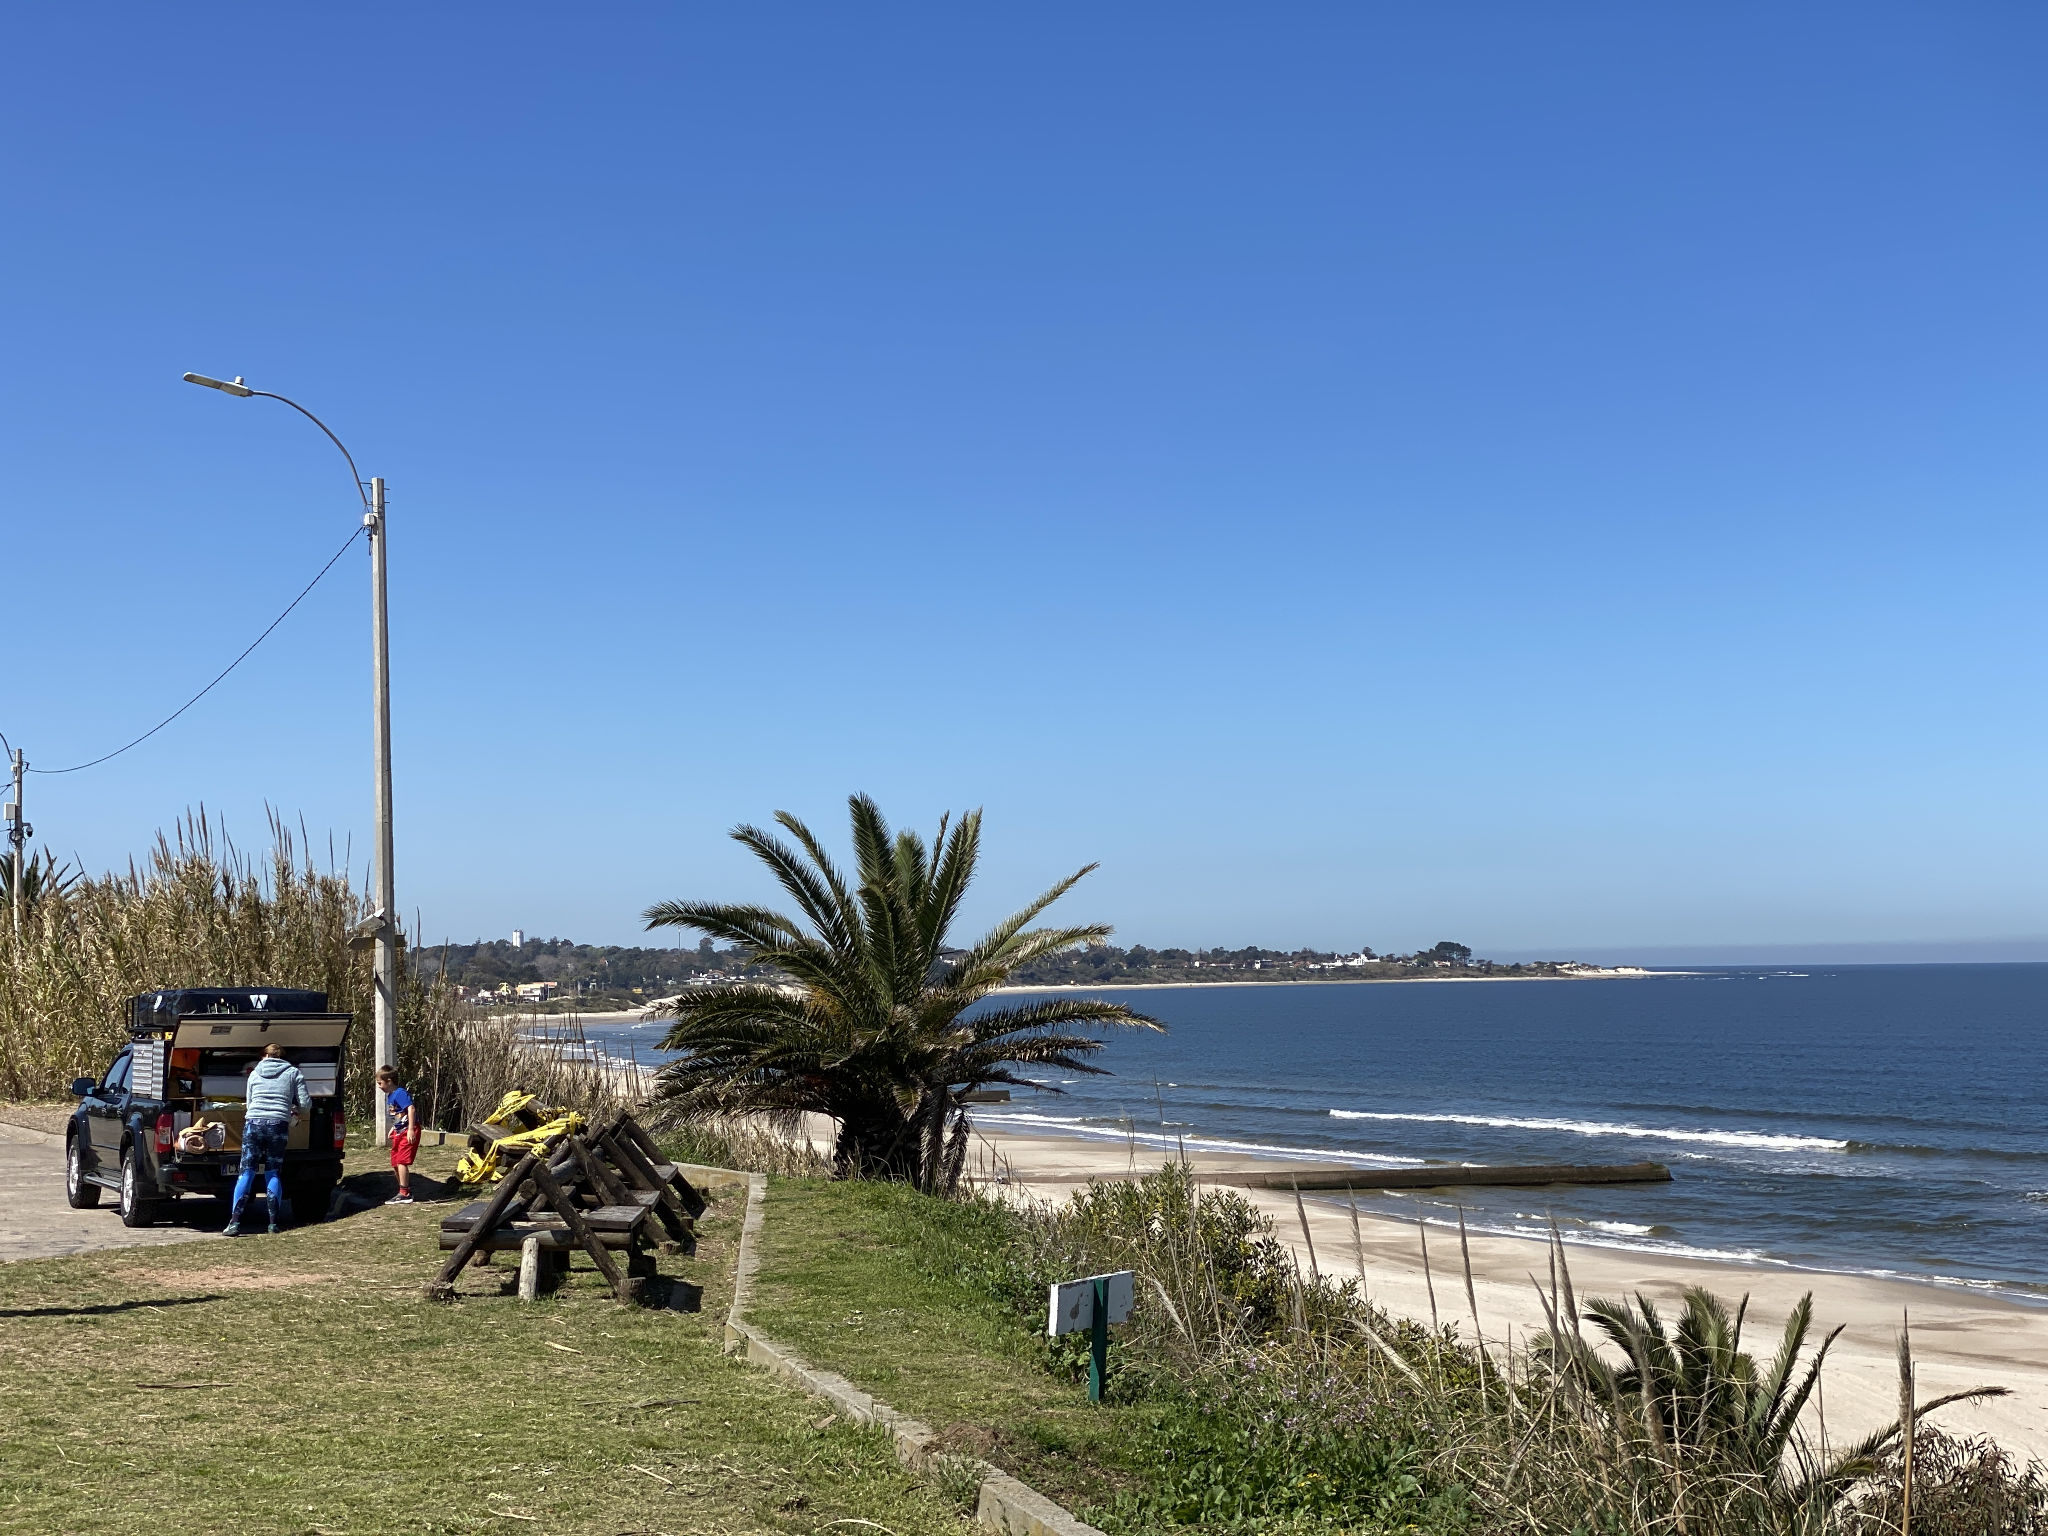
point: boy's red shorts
(402, 1150)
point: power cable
(202, 693)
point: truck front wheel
(136, 1209)
(80, 1193)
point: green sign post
(1093, 1303)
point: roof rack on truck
(154, 1013)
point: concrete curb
(1004, 1504)
(749, 1264)
(22, 1135)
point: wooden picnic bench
(606, 1190)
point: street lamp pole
(383, 923)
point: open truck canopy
(203, 1040)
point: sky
(1566, 479)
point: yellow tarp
(491, 1164)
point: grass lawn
(871, 1281)
(302, 1384)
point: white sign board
(1073, 1303)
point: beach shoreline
(1962, 1337)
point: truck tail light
(166, 1134)
(340, 1131)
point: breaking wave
(1763, 1141)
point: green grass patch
(302, 1384)
(905, 1296)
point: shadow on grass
(107, 1309)
(366, 1191)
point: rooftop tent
(161, 1010)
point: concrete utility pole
(384, 973)
(382, 926)
(18, 835)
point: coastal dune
(1961, 1337)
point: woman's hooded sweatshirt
(276, 1088)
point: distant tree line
(1108, 965)
(595, 974)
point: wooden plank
(551, 1239)
(616, 1218)
(605, 1218)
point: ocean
(1883, 1120)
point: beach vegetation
(1247, 1396)
(881, 1023)
(1686, 1400)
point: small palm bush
(880, 1025)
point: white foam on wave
(1622, 1228)
(1069, 1126)
(1627, 1238)
(1763, 1141)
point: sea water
(1873, 1119)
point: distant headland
(1107, 965)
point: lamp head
(237, 387)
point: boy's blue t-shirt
(400, 1103)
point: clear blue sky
(1561, 478)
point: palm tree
(1705, 1408)
(877, 1025)
(39, 877)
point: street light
(382, 929)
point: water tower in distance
(519, 938)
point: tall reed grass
(198, 911)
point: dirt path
(35, 1223)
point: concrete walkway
(35, 1222)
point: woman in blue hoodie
(276, 1096)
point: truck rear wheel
(80, 1193)
(137, 1210)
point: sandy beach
(1961, 1338)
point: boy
(405, 1131)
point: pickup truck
(187, 1059)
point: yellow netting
(490, 1165)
